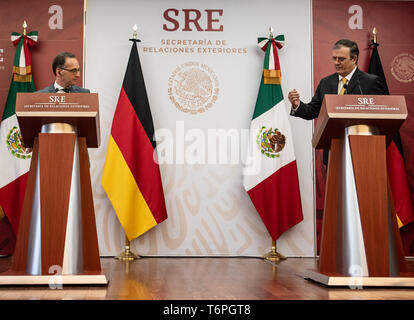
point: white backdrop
(209, 213)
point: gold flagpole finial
(134, 34)
(24, 27)
(374, 32)
(271, 31)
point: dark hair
(353, 47)
(60, 59)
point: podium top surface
(386, 113)
(80, 110)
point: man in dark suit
(65, 67)
(348, 79)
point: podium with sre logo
(360, 243)
(57, 239)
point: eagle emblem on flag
(270, 142)
(15, 144)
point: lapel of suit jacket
(352, 86)
(333, 84)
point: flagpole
(273, 255)
(128, 255)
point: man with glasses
(65, 67)
(347, 79)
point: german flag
(395, 157)
(131, 176)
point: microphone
(346, 88)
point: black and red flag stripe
(131, 176)
(395, 157)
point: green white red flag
(14, 157)
(270, 176)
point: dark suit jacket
(74, 89)
(360, 83)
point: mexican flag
(270, 176)
(14, 157)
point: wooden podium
(360, 244)
(57, 240)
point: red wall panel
(333, 20)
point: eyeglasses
(340, 59)
(74, 70)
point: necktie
(66, 90)
(344, 82)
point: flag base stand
(128, 255)
(273, 255)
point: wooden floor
(204, 279)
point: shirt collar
(57, 86)
(349, 76)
